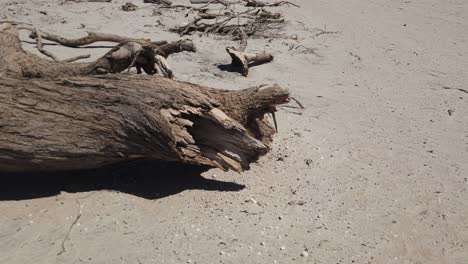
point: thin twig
(78, 216)
(274, 121)
(324, 32)
(305, 50)
(40, 46)
(459, 89)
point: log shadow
(236, 68)
(229, 68)
(146, 179)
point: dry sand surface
(374, 170)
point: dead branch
(175, 47)
(265, 14)
(40, 47)
(70, 228)
(251, 3)
(204, 15)
(242, 59)
(83, 47)
(458, 89)
(320, 31)
(219, 27)
(297, 101)
(253, 21)
(140, 55)
(78, 216)
(163, 2)
(180, 6)
(257, 3)
(301, 49)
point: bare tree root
(242, 59)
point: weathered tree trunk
(60, 122)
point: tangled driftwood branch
(251, 16)
(129, 53)
(40, 47)
(253, 21)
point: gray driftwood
(242, 59)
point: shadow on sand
(146, 179)
(235, 68)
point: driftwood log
(242, 59)
(60, 116)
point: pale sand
(388, 166)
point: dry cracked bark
(54, 119)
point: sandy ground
(374, 170)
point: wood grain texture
(66, 121)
